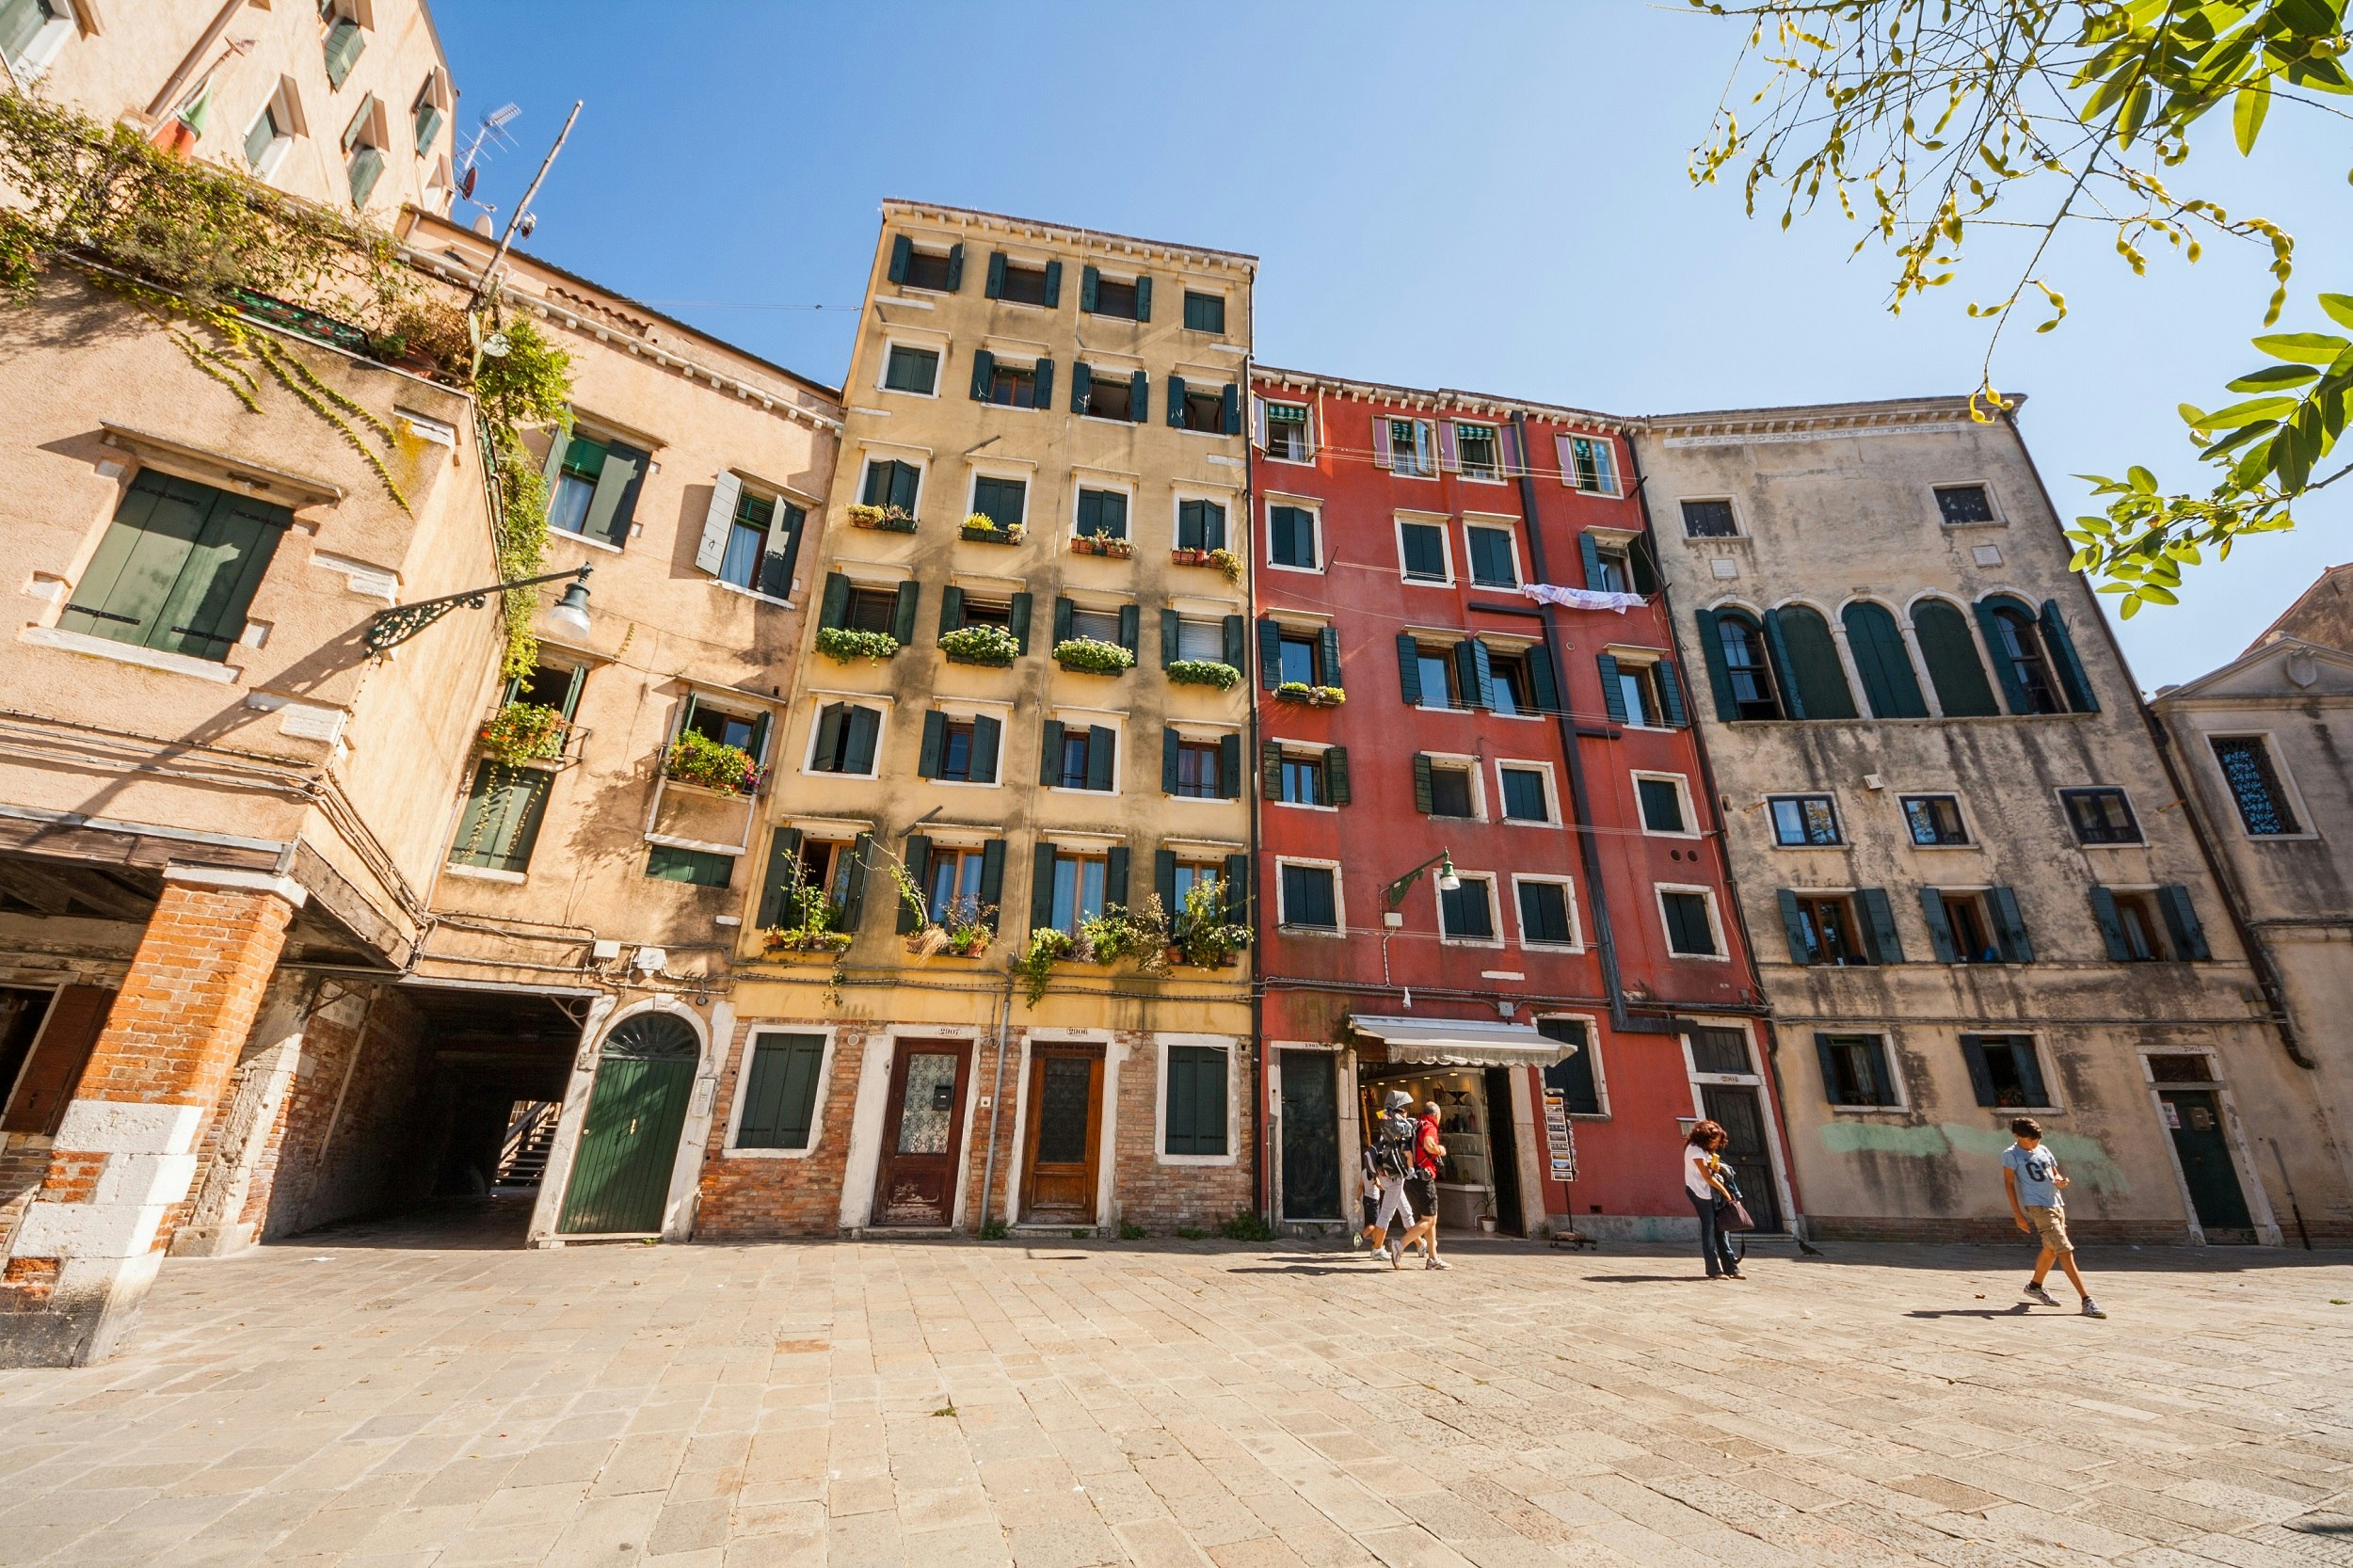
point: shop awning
(1464, 1042)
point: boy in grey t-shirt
(2031, 1179)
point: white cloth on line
(1582, 598)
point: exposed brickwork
(27, 1283)
(24, 1166)
(750, 1198)
(348, 1136)
(1162, 1198)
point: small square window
(1198, 770)
(1407, 443)
(1310, 897)
(1110, 395)
(955, 751)
(1286, 433)
(1449, 791)
(1856, 1070)
(1115, 298)
(1492, 564)
(1689, 931)
(1101, 625)
(1203, 312)
(2004, 1070)
(1638, 695)
(2100, 816)
(1291, 537)
(1958, 503)
(1468, 913)
(872, 610)
(911, 370)
(1012, 386)
(1709, 519)
(928, 269)
(1203, 410)
(2140, 929)
(1613, 569)
(1826, 924)
(1079, 888)
(1720, 1050)
(1301, 656)
(1511, 691)
(1201, 640)
(1970, 927)
(1022, 285)
(1544, 918)
(1001, 501)
(1800, 820)
(1440, 681)
(1935, 820)
(1421, 551)
(953, 886)
(1303, 778)
(1662, 805)
(1523, 795)
(1102, 514)
(1477, 450)
(1593, 465)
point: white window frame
(1739, 523)
(2294, 796)
(1314, 508)
(944, 249)
(1968, 828)
(881, 702)
(918, 458)
(1425, 439)
(1646, 660)
(1887, 1058)
(1682, 783)
(42, 52)
(284, 104)
(1303, 748)
(1307, 425)
(1494, 914)
(743, 1087)
(1465, 763)
(1339, 899)
(1096, 371)
(1617, 479)
(1715, 922)
(964, 709)
(1461, 470)
(1494, 525)
(1159, 1099)
(1568, 893)
(1024, 474)
(1184, 490)
(1091, 479)
(924, 342)
(1552, 793)
(1992, 503)
(1226, 379)
(1398, 523)
(1593, 1056)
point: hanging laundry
(1581, 598)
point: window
(1107, 297)
(177, 569)
(1493, 563)
(2137, 934)
(1448, 788)
(2264, 809)
(891, 483)
(364, 150)
(1479, 452)
(1200, 525)
(2005, 1071)
(1801, 819)
(1639, 696)
(1525, 796)
(1709, 519)
(1110, 395)
(1302, 657)
(1303, 780)
(1310, 896)
(1544, 916)
(1958, 503)
(829, 866)
(911, 370)
(697, 867)
(1609, 568)
(1661, 801)
(1402, 447)
(1201, 409)
(547, 685)
(342, 44)
(2018, 648)
(1825, 931)
(1855, 1070)
(1198, 771)
(1103, 514)
(1590, 463)
(1747, 676)
(1201, 640)
(1100, 625)
(780, 1091)
(1001, 501)
(952, 883)
(1690, 924)
(958, 749)
(501, 822)
(1025, 285)
(974, 611)
(426, 113)
(871, 609)
(595, 494)
(1079, 882)
(930, 269)
(1577, 1076)
(270, 136)
(1422, 553)
(1440, 679)
(1468, 913)
(1185, 875)
(1510, 684)
(1193, 1120)
(844, 739)
(1203, 312)
(1287, 434)
(1935, 820)
(745, 731)
(32, 32)
(1291, 537)
(1721, 1052)
(749, 562)
(2100, 816)
(1969, 925)
(1011, 385)
(1080, 757)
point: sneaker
(1437, 1263)
(2036, 1294)
(1397, 1255)
(2092, 1308)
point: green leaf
(2160, 596)
(2303, 348)
(2339, 308)
(2273, 378)
(2245, 413)
(2143, 481)
(2248, 111)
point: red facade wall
(1628, 1160)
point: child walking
(2030, 1177)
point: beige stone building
(1001, 702)
(2261, 743)
(1971, 889)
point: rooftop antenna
(521, 218)
(491, 129)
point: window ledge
(751, 593)
(766, 1154)
(125, 654)
(1194, 1158)
(485, 873)
(1869, 1110)
(1323, 931)
(1304, 806)
(554, 533)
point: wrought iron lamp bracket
(389, 628)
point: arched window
(1884, 663)
(1738, 667)
(1952, 655)
(2034, 658)
(652, 1037)
(1812, 677)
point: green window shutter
(1164, 880)
(1981, 1081)
(955, 268)
(784, 548)
(1090, 514)
(862, 868)
(1042, 383)
(1940, 929)
(1189, 525)
(1878, 926)
(501, 822)
(902, 249)
(1175, 395)
(1229, 767)
(2030, 1073)
(1792, 696)
(1793, 927)
(2009, 927)
(1063, 611)
(2181, 924)
(950, 609)
(1270, 654)
(1177, 1117)
(1018, 620)
(1081, 385)
(1408, 670)
(1829, 1069)
(2069, 668)
(983, 372)
(1889, 687)
(1671, 695)
(1590, 550)
(1337, 789)
(1271, 770)
(1719, 674)
(995, 288)
(1115, 876)
(2104, 913)
(832, 608)
(1050, 753)
(1170, 746)
(1237, 881)
(1425, 788)
(367, 167)
(902, 612)
(904, 478)
(344, 41)
(1236, 638)
(1144, 297)
(992, 880)
(1130, 628)
(1816, 674)
(934, 735)
(918, 867)
(614, 502)
(826, 755)
(1612, 695)
(1042, 880)
(758, 748)
(1169, 625)
(1638, 567)
(1102, 756)
(428, 126)
(864, 727)
(2013, 692)
(1952, 655)
(781, 1091)
(1229, 410)
(1331, 641)
(1212, 526)
(1477, 671)
(1053, 285)
(1087, 282)
(988, 737)
(559, 440)
(1139, 397)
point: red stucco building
(1489, 866)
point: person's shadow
(2018, 1311)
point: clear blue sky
(1490, 196)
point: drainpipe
(1261, 1190)
(180, 75)
(996, 1098)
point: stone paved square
(365, 1399)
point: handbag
(1736, 1217)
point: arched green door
(628, 1144)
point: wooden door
(1748, 1153)
(1310, 1147)
(2195, 1118)
(1066, 1134)
(628, 1151)
(923, 1132)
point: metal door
(2195, 1118)
(1311, 1135)
(922, 1127)
(1504, 1152)
(1065, 1135)
(1750, 1156)
(628, 1149)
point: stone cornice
(1094, 239)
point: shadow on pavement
(496, 1221)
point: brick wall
(764, 1197)
(23, 1161)
(349, 1134)
(1162, 1198)
(190, 998)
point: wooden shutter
(501, 822)
(344, 41)
(1980, 1080)
(1270, 654)
(2013, 692)
(781, 1091)
(718, 521)
(1049, 754)
(1482, 675)
(1229, 409)
(918, 867)
(934, 735)
(614, 502)
(1815, 670)
(2009, 929)
(950, 609)
(1178, 1113)
(1237, 881)
(784, 548)
(1144, 297)
(1164, 880)
(1139, 397)
(1042, 384)
(904, 478)
(1063, 611)
(2181, 924)
(1087, 282)
(1952, 655)
(1102, 756)
(901, 248)
(1588, 550)
(1719, 674)
(826, 755)
(1543, 683)
(1130, 628)
(863, 725)
(1053, 285)
(1018, 620)
(1336, 791)
(1380, 457)
(53, 1069)
(2104, 913)
(1271, 770)
(2029, 1064)
(1878, 926)
(1212, 525)
(1229, 767)
(1115, 876)
(995, 287)
(1171, 624)
(1889, 687)
(1940, 929)
(1612, 695)
(1642, 575)
(1175, 413)
(1042, 867)
(1257, 423)
(902, 612)
(854, 896)
(987, 735)
(1081, 386)
(1425, 787)
(984, 374)
(992, 880)
(1189, 525)
(1793, 926)
(1330, 641)
(1450, 458)
(1195, 1119)
(1409, 669)
(758, 748)
(1671, 695)
(832, 608)
(1792, 695)
(1170, 746)
(2069, 667)
(955, 268)
(1828, 1060)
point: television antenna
(492, 130)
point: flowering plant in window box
(965, 930)
(815, 920)
(1313, 696)
(1204, 672)
(988, 530)
(980, 645)
(1223, 560)
(1092, 656)
(1096, 544)
(525, 732)
(1201, 936)
(890, 520)
(849, 645)
(695, 758)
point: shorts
(1394, 1202)
(1372, 1206)
(1423, 1191)
(2051, 1226)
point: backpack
(1393, 1147)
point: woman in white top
(1704, 1184)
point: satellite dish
(465, 182)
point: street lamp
(393, 627)
(1394, 894)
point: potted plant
(1201, 936)
(1096, 544)
(695, 758)
(1036, 964)
(1092, 656)
(848, 645)
(890, 520)
(525, 732)
(980, 526)
(980, 645)
(813, 926)
(1204, 672)
(1312, 696)
(1228, 563)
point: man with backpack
(1391, 1159)
(1423, 1188)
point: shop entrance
(1477, 1134)
(2194, 1116)
(1310, 1148)
(1066, 1134)
(620, 1183)
(922, 1130)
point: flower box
(1310, 696)
(526, 732)
(848, 645)
(983, 529)
(804, 943)
(695, 758)
(890, 519)
(991, 646)
(1204, 672)
(1089, 544)
(1092, 656)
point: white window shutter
(1421, 447)
(1450, 453)
(1568, 460)
(1381, 441)
(725, 491)
(1257, 423)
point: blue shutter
(1087, 280)
(2104, 913)
(934, 736)
(901, 248)
(1329, 640)
(2010, 929)
(1269, 654)
(1878, 926)
(784, 856)
(1082, 387)
(1784, 668)
(1719, 674)
(1053, 284)
(1793, 927)
(1230, 410)
(1144, 297)
(862, 867)
(2003, 670)
(1591, 552)
(1139, 396)
(1973, 1053)
(1041, 864)
(1042, 383)
(995, 287)
(1671, 695)
(1170, 749)
(2069, 667)
(917, 860)
(1940, 929)
(1542, 683)
(1176, 395)
(1229, 767)
(2180, 923)
(983, 372)
(1612, 695)
(992, 880)
(986, 732)
(955, 268)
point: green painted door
(2195, 1118)
(628, 1148)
